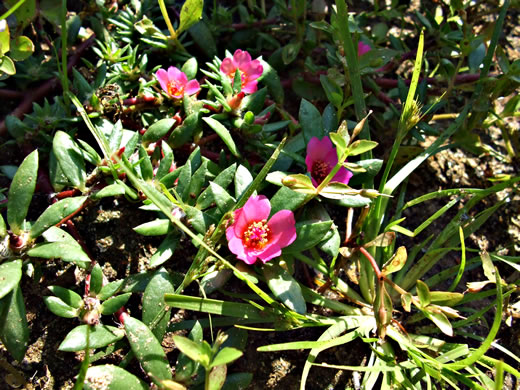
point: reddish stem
(372, 262)
(11, 94)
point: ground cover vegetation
(189, 187)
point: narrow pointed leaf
(223, 133)
(113, 377)
(110, 306)
(153, 302)
(284, 287)
(21, 192)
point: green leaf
(21, 192)
(225, 356)
(396, 262)
(147, 349)
(5, 38)
(110, 289)
(111, 305)
(99, 336)
(338, 190)
(10, 275)
(190, 67)
(64, 250)
(195, 351)
(14, 330)
(55, 214)
(166, 161)
(284, 287)
(96, 279)
(243, 179)
(272, 80)
(60, 308)
(191, 13)
(333, 91)
(153, 301)
(217, 377)
(223, 133)
(308, 235)
(476, 57)
(286, 199)
(310, 120)
(21, 48)
(7, 66)
(71, 161)
(70, 297)
(290, 52)
(299, 183)
(108, 191)
(145, 164)
(423, 292)
(186, 367)
(441, 321)
(406, 301)
(218, 195)
(165, 250)
(158, 130)
(157, 227)
(361, 146)
(114, 377)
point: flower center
(175, 88)
(320, 170)
(257, 235)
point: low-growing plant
(249, 187)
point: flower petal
(254, 69)
(250, 86)
(192, 87)
(227, 66)
(241, 58)
(162, 76)
(283, 230)
(343, 175)
(256, 208)
(174, 73)
(236, 246)
(270, 252)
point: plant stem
(64, 74)
(164, 12)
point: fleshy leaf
(99, 336)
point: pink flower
(362, 48)
(250, 70)
(252, 236)
(175, 83)
(321, 159)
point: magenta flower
(250, 70)
(362, 48)
(175, 83)
(252, 236)
(321, 159)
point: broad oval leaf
(153, 301)
(55, 214)
(63, 250)
(147, 349)
(21, 192)
(224, 134)
(226, 355)
(191, 13)
(110, 306)
(70, 297)
(423, 292)
(111, 190)
(113, 378)
(310, 120)
(60, 308)
(21, 48)
(70, 159)
(14, 330)
(308, 235)
(193, 350)
(396, 262)
(10, 275)
(157, 227)
(158, 130)
(284, 287)
(99, 336)
(217, 377)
